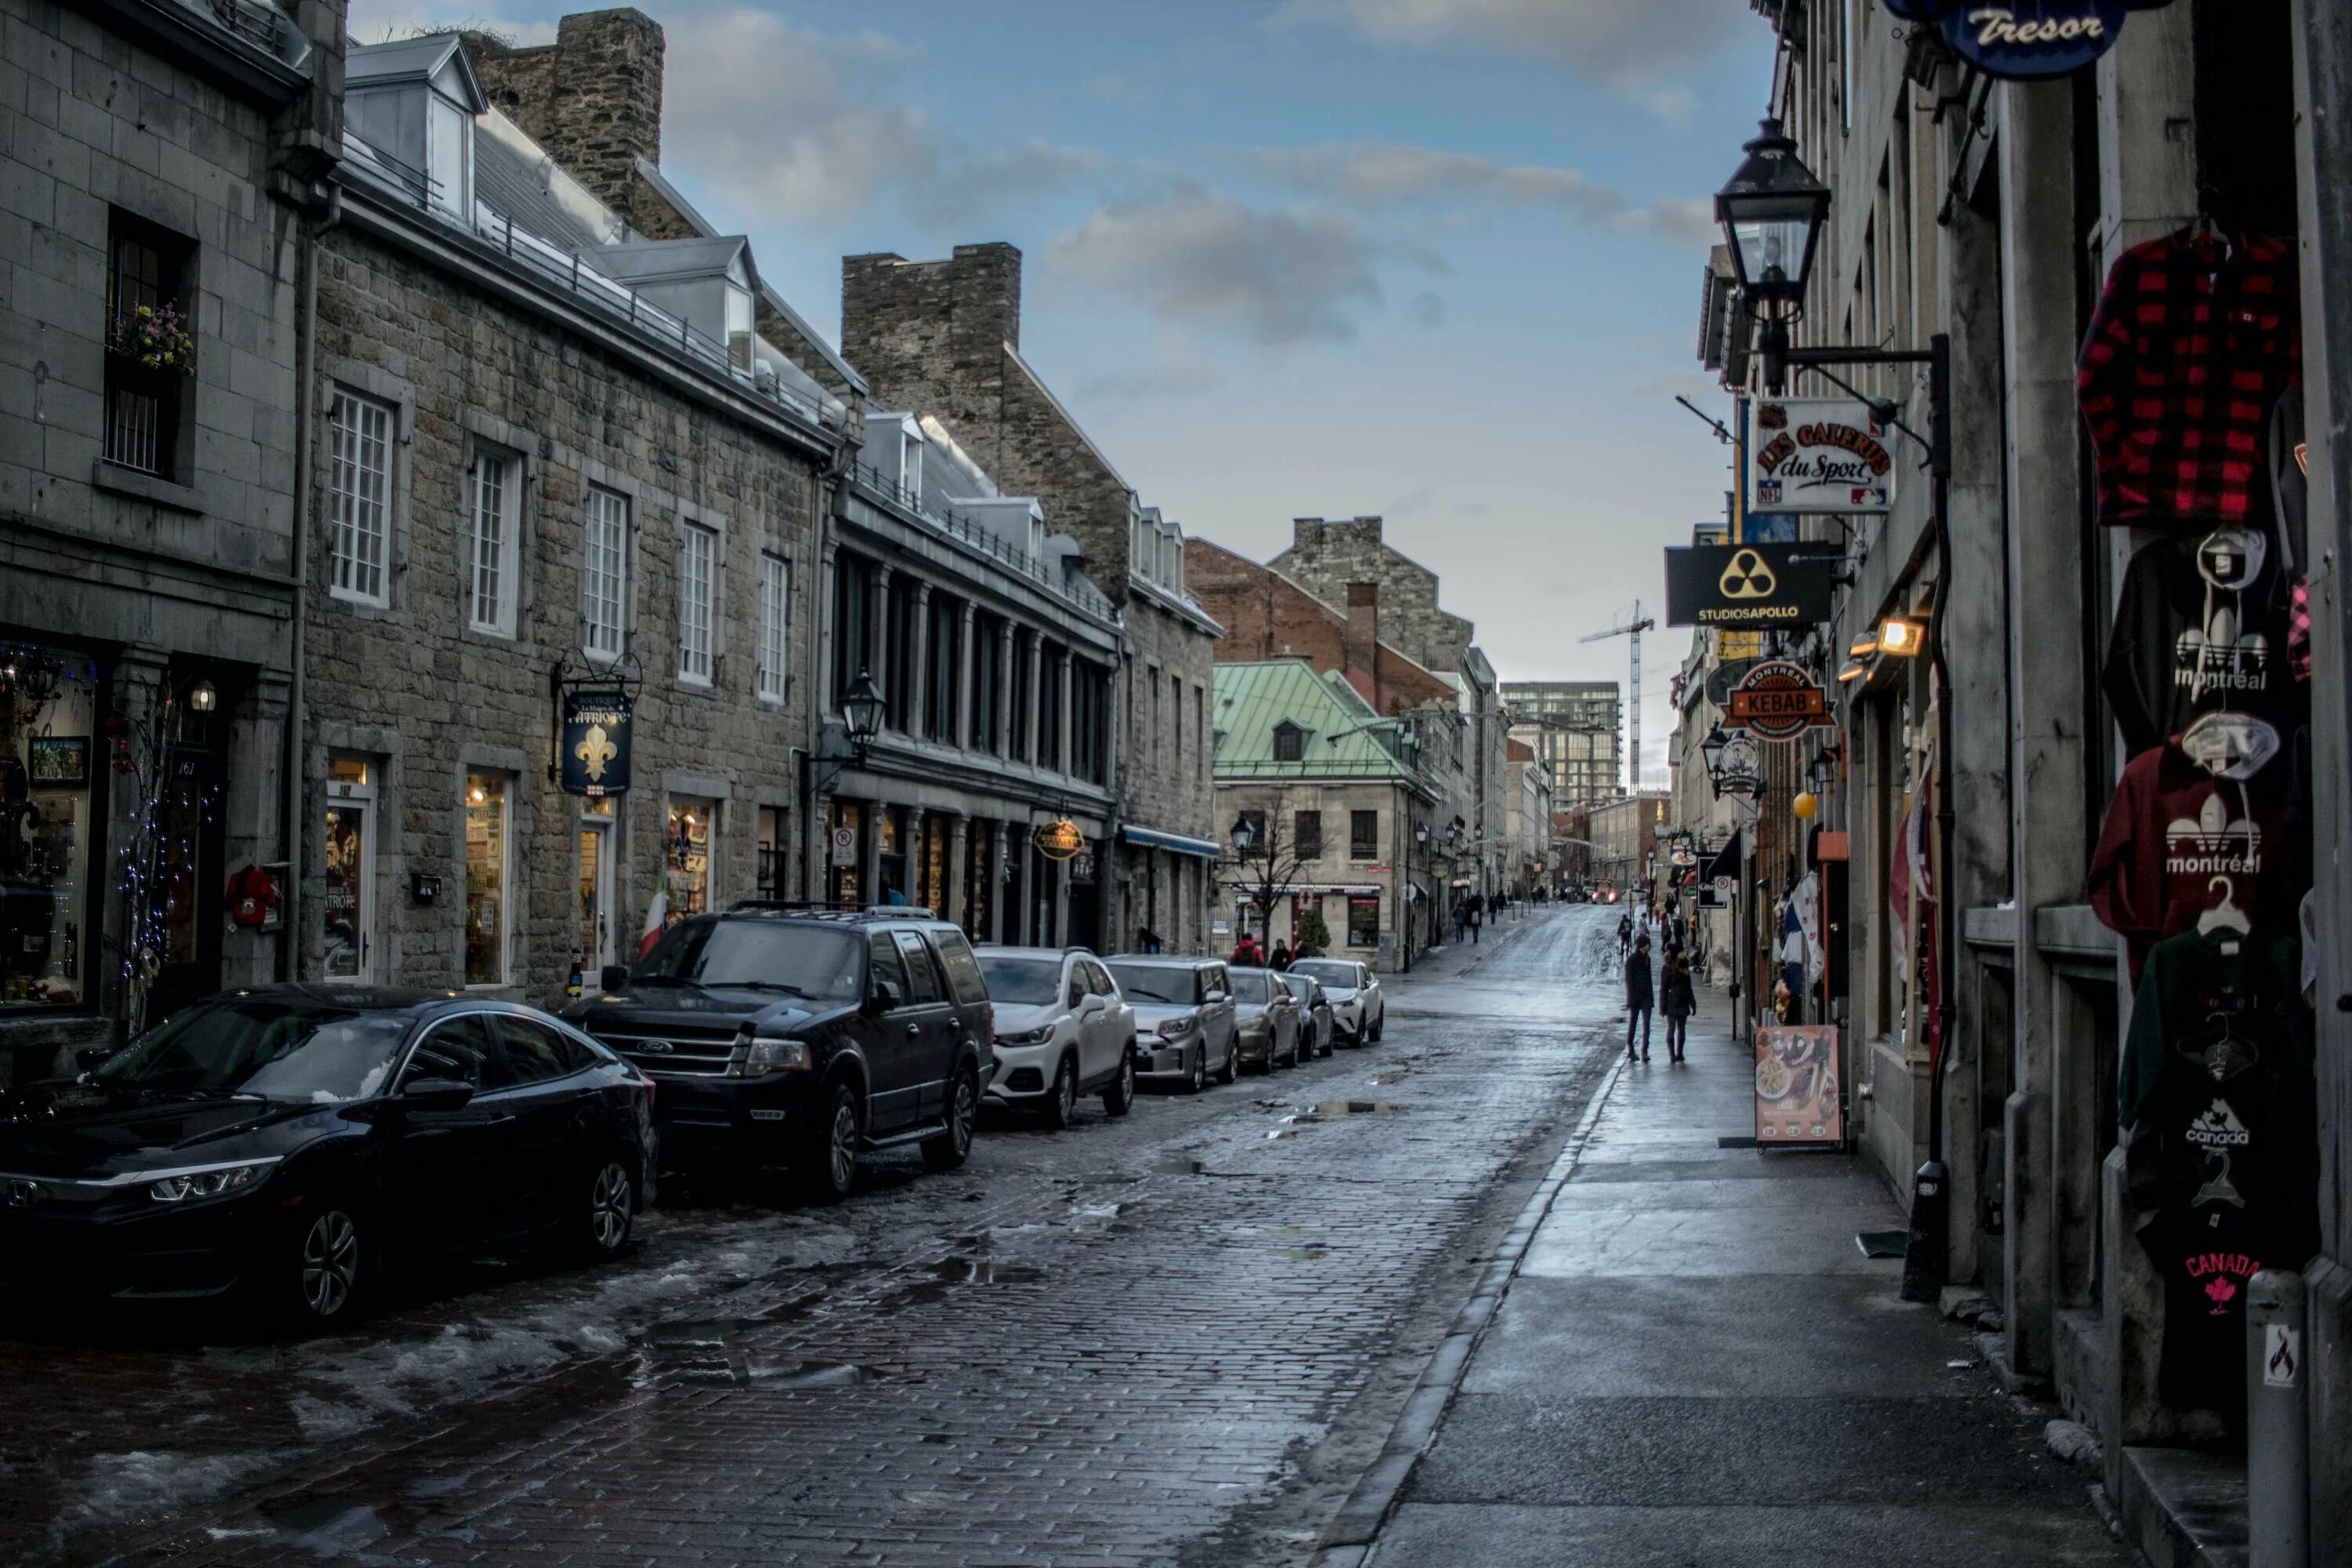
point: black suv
(782, 1034)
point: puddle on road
(983, 1271)
(1331, 1110)
(330, 1527)
(1182, 1165)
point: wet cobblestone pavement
(1173, 1339)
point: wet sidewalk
(1694, 1363)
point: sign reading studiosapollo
(1820, 454)
(1755, 585)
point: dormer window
(910, 468)
(1290, 743)
(449, 157)
(738, 325)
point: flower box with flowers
(156, 337)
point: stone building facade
(153, 158)
(942, 339)
(537, 484)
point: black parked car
(801, 1036)
(284, 1142)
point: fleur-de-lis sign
(595, 749)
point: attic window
(449, 157)
(1290, 743)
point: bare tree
(1270, 865)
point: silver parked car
(1357, 1005)
(1062, 1031)
(1184, 1012)
(1265, 1019)
(1317, 1027)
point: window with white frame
(697, 581)
(491, 588)
(604, 574)
(359, 497)
(775, 626)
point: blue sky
(1435, 260)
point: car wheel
(1232, 1068)
(829, 1167)
(1062, 1106)
(1200, 1071)
(612, 1211)
(1119, 1098)
(1380, 1025)
(952, 1147)
(328, 1267)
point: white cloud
(1372, 177)
(1687, 224)
(1630, 45)
(1199, 258)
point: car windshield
(1024, 982)
(1299, 986)
(307, 1052)
(1249, 987)
(821, 965)
(1149, 983)
(1334, 972)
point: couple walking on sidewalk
(1672, 995)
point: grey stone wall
(1324, 558)
(592, 98)
(416, 689)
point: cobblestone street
(1178, 1338)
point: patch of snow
(141, 1483)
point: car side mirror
(888, 998)
(89, 1057)
(435, 1094)
(615, 976)
(1217, 997)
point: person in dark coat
(1678, 1000)
(1281, 959)
(1640, 999)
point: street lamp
(865, 710)
(1244, 836)
(1772, 213)
(1711, 749)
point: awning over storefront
(1726, 862)
(1174, 843)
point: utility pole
(1632, 626)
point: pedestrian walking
(1281, 959)
(1678, 1000)
(1477, 918)
(1640, 999)
(1624, 936)
(1461, 922)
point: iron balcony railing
(566, 272)
(258, 24)
(970, 531)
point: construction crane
(1632, 626)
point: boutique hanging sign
(2026, 39)
(1820, 454)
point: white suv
(1062, 1031)
(1359, 1012)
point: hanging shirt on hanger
(2200, 627)
(2211, 802)
(2193, 340)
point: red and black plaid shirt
(2190, 345)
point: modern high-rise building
(1573, 726)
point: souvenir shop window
(490, 902)
(686, 838)
(347, 907)
(1364, 921)
(49, 815)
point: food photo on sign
(1798, 1087)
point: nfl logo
(1768, 492)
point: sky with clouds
(1434, 259)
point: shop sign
(2031, 39)
(1082, 866)
(1741, 769)
(1059, 839)
(1820, 454)
(1796, 1088)
(1778, 701)
(1732, 646)
(1749, 584)
(595, 742)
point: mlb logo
(1861, 496)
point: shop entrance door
(591, 943)
(188, 878)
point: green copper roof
(1341, 736)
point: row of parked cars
(280, 1144)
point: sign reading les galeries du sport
(1820, 454)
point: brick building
(1324, 558)
(942, 340)
(553, 455)
(167, 159)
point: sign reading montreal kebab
(1778, 701)
(1820, 454)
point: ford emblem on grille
(655, 1048)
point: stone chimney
(925, 335)
(1361, 649)
(592, 98)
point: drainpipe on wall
(306, 356)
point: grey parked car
(1184, 1018)
(1265, 1019)
(1316, 1026)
